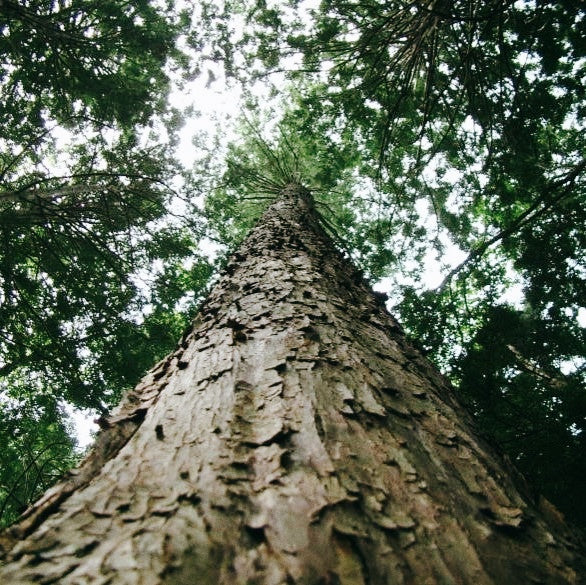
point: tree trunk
(295, 436)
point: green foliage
(36, 447)
(510, 377)
(81, 58)
(84, 199)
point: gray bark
(295, 436)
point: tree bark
(295, 436)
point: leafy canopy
(83, 194)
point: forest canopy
(432, 133)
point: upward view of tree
(423, 129)
(456, 124)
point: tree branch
(532, 213)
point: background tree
(83, 191)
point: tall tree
(296, 436)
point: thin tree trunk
(294, 437)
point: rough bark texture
(295, 436)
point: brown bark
(295, 436)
